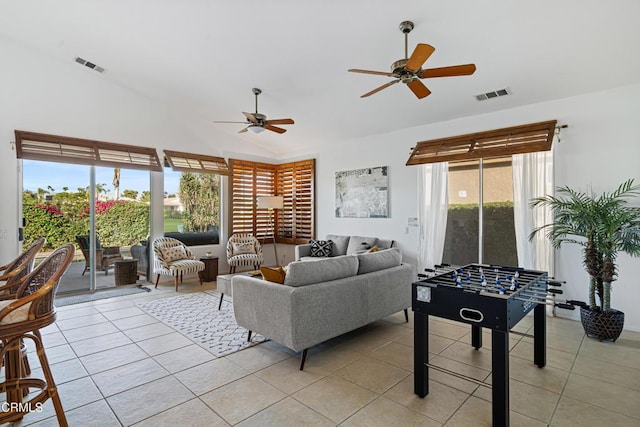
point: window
(295, 181)
(192, 197)
(480, 222)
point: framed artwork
(362, 193)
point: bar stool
(22, 318)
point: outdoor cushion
(380, 260)
(20, 314)
(358, 243)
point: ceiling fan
(409, 71)
(258, 122)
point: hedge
(461, 238)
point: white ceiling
(203, 57)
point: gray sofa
(323, 299)
(344, 245)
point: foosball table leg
(420, 354)
(476, 336)
(540, 335)
(500, 372)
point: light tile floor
(117, 366)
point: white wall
(601, 147)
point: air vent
(89, 64)
(494, 94)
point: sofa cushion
(380, 260)
(340, 244)
(358, 243)
(321, 248)
(300, 273)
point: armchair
(11, 273)
(106, 257)
(244, 249)
(173, 258)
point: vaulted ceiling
(203, 57)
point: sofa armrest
(302, 251)
(263, 307)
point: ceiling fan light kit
(409, 69)
(257, 122)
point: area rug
(197, 316)
(62, 300)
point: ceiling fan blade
(454, 70)
(218, 121)
(279, 122)
(274, 128)
(379, 73)
(251, 117)
(419, 89)
(420, 54)
(243, 130)
(378, 89)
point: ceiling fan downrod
(406, 27)
(256, 92)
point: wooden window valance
(64, 149)
(197, 163)
(493, 143)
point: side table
(210, 268)
(126, 272)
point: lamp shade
(255, 128)
(270, 202)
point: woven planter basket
(602, 325)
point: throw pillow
(273, 274)
(374, 249)
(243, 248)
(321, 248)
(173, 253)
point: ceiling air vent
(89, 64)
(494, 94)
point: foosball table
(485, 297)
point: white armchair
(243, 249)
(173, 258)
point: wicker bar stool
(23, 318)
(10, 281)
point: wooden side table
(210, 271)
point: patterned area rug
(197, 316)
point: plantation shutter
(249, 180)
(296, 222)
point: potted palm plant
(604, 225)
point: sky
(58, 175)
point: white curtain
(532, 177)
(433, 203)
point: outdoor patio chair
(106, 256)
(243, 249)
(22, 318)
(173, 258)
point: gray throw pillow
(358, 243)
(340, 244)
